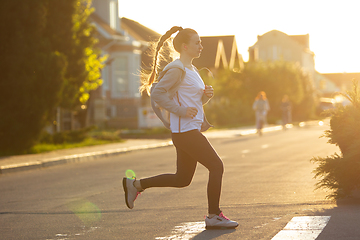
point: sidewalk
(35, 161)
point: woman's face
(194, 47)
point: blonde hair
(183, 36)
(259, 94)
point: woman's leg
(192, 147)
(196, 145)
(186, 166)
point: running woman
(181, 91)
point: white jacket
(163, 92)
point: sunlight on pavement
(302, 124)
(84, 230)
(271, 129)
(304, 228)
(86, 211)
(185, 231)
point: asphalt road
(268, 180)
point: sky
(333, 26)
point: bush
(341, 173)
(106, 135)
(235, 93)
(74, 136)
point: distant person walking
(181, 91)
(286, 111)
(261, 107)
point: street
(268, 180)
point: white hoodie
(163, 93)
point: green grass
(47, 147)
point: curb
(77, 158)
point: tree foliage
(235, 92)
(340, 172)
(75, 39)
(47, 59)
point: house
(220, 52)
(118, 103)
(118, 83)
(115, 104)
(136, 31)
(324, 86)
(343, 80)
(276, 45)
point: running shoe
(220, 222)
(131, 192)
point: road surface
(267, 182)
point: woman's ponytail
(146, 83)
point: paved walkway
(32, 161)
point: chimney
(108, 11)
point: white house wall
(308, 63)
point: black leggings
(192, 147)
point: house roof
(219, 50)
(103, 28)
(143, 34)
(138, 31)
(301, 39)
(342, 78)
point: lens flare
(86, 211)
(130, 174)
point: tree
(48, 58)
(75, 39)
(32, 74)
(235, 92)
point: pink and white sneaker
(131, 192)
(220, 222)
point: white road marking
(185, 231)
(304, 228)
(300, 228)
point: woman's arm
(255, 105)
(208, 94)
(160, 93)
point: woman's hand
(209, 91)
(191, 112)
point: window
(121, 78)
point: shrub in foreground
(340, 173)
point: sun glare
(333, 37)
